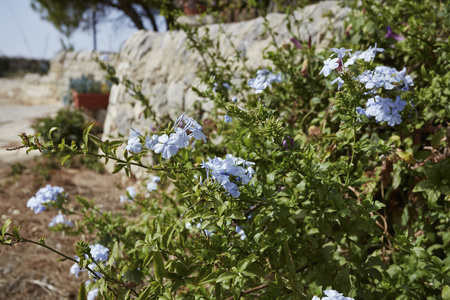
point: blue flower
(332, 295)
(60, 219)
(259, 84)
(99, 252)
(228, 119)
(152, 185)
(220, 170)
(329, 65)
(45, 195)
(92, 294)
(134, 144)
(166, 147)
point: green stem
(353, 155)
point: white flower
(99, 252)
(75, 269)
(273, 78)
(45, 195)
(259, 84)
(179, 138)
(352, 59)
(134, 145)
(60, 219)
(151, 186)
(166, 147)
(340, 82)
(196, 129)
(241, 232)
(92, 294)
(340, 52)
(329, 65)
(369, 54)
(131, 191)
(150, 142)
(332, 295)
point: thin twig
(189, 208)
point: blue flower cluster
(382, 77)
(264, 78)
(60, 219)
(131, 193)
(98, 252)
(332, 295)
(45, 195)
(168, 145)
(221, 169)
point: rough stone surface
(166, 68)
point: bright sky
(24, 34)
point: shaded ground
(29, 271)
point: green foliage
(337, 200)
(63, 131)
(87, 84)
(16, 169)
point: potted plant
(194, 7)
(89, 93)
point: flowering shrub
(298, 193)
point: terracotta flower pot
(90, 101)
(194, 7)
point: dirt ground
(29, 271)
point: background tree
(69, 15)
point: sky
(24, 34)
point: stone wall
(50, 88)
(166, 68)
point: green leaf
(118, 168)
(446, 293)
(158, 264)
(86, 133)
(421, 253)
(237, 215)
(407, 156)
(225, 276)
(436, 140)
(145, 295)
(82, 292)
(210, 278)
(271, 177)
(218, 291)
(343, 280)
(5, 227)
(219, 206)
(113, 255)
(64, 159)
(97, 141)
(167, 236)
(248, 143)
(50, 132)
(243, 263)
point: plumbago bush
(320, 176)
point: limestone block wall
(166, 68)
